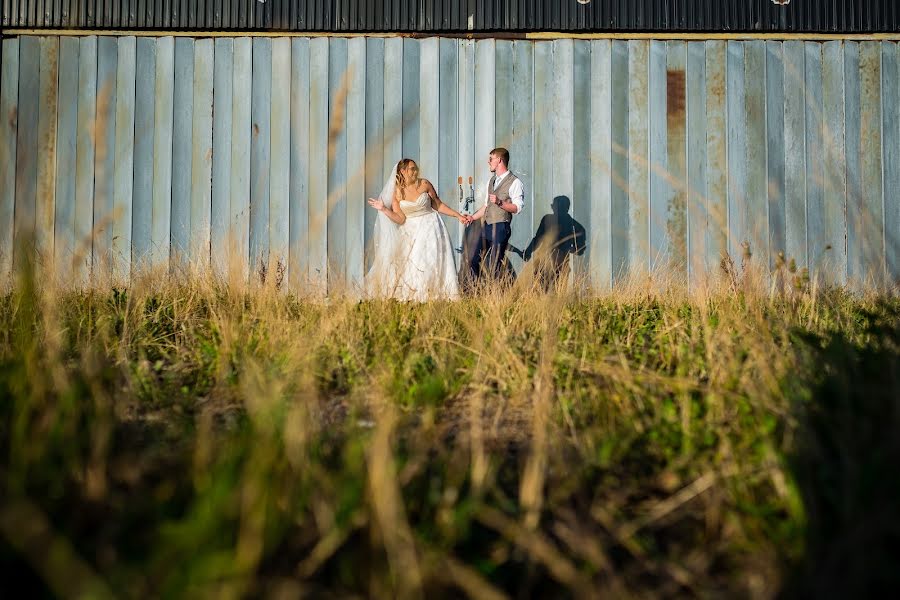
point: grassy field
(195, 439)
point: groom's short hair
(503, 153)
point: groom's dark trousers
(492, 245)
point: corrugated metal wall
(846, 16)
(124, 152)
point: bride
(413, 257)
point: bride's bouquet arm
(393, 212)
(442, 208)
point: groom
(505, 197)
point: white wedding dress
(416, 261)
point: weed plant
(195, 437)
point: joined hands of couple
(378, 205)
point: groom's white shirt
(516, 191)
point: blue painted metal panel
(46, 155)
(485, 84)
(856, 265)
(318, 147)
(27, 143)
(9, 109)
(562, 115)
(581, 148)
(260, 146)
(223, 57)
(737, 151)
(279, 173)
(795, 152)
(448, 130)
(890, 105)
(521, 144)
(676, 177)
(123, 179)
(429, 115)
(755, 205)
(105, 157)
(503, 93)
(298, 262)
(67, 126)
(544, 97)
(84, 162)
(815, 158)
(409, 90)
(429, 108)
(201, 153)
(144, 134)
(375, 119)
(241, 134)
(638, 154)
(835, 220)
(892, 204)
(716, 156)
(393, 103)
(466, 120)
(338, 86)
(162, 152)
(660, 189)
(696, 159)
(356, 163)
(182, 134)
(810, 132)
(658, 184)
(871, 140)
(599, 226)
(775, 150)
(795, 188)
(620, 114)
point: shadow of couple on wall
(558, 236)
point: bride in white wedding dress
(413, 257)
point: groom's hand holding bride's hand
(465, 219)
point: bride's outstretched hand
(376, 203)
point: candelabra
(468, 201)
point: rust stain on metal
(676, 122)
(47, 115)
(53, 68)
(105, 98)
(717, 87)
(716, 77)
(870, 67)
(338, 111)
(50, 107)
(675, 101)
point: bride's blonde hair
(401, 165)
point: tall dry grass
(194, 436)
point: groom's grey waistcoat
(493, 213)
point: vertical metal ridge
(790, 146)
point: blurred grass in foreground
(193, 439)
